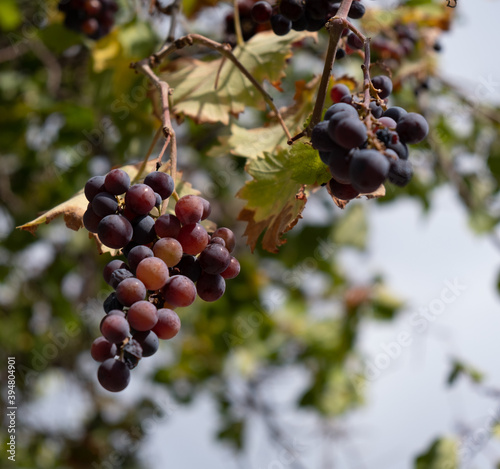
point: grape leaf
(443, 453)
(212, 91)
(276, 195)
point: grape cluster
(94, 18)
(362, 153)
(301, 15)
(170, 259)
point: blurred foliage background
(72, 108)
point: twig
(175, 9)
(225, 51)
(335, 27)
(237, 24)
(148, 154)
(162, 152)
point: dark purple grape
(104, 204)
(91, 220)
(115, 231)
(233, 269)
(217, 240)
(113, 375)
(324, 156)
(349, 132)
(368, 170)
(117, 182)
(189, 266)
(354, 42)
(300, 24)
(210, 287)
(132, 353)
(384, 84)
(280, 25)
(356, 11)
(158, 200)
(400, 172)
(320, 138)
(376, 110)
(111, 303)
(339, 165)
(148, 341)
(340, 107)
(395, 113)
(262, 12)
(118, 276)
(167, 226)
(101, 349)
(144, 230)
(292, 9)
(140, 199)
(317, 9)
(342, 191)
(137, 254)
(214, 259)
(161, 183)
(340, 54)
(313, 24)
(94, 186)
(412, 128)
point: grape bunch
(363, 148)
(301, 15)
(170, 260)
(94, 18)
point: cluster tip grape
(170, 260)
(362, 153)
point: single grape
(111, 303)
(356, 11)
(214, 259)
(111, 266)
(376, 110)
(340, 92)
(144, 230)
(313, 24)
(189, 266)
(168, 324)
(262, 12)
(232, 270)
(194, 238)
(339, 55)
(140, 199)
(292, 9)
(101, 349)
(148, 341)
(320, 137)
(115, 231)
(317, 9)
(280, 25)
(113, 375)
(92, 7)
(395, 113)
(117, 182)
(368, 170)
(115, 328)
(227, 235)
(169, 250)
(340, 107)
(207, 208)
(129, 291)
(91, 220)
(132, 353)
(179, 291)
(167, 226)
(137, 254)
(104, 204)
(90, 26)
(354, 42)
(142, 315)
(349, 132)
(158, 200)
(400, 172)
(161, 183)
(387, 122)
(210, 287)
(217, 240)
(189, 209)
(118, 276)
(300, 24)
(384, 84)
(412, 128)
(342, 191)
(94, 186)
(153, 272)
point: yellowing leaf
(212, 91)
(276, 195)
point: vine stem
(148, 154)
(335, 27)
(237, 24)
(225, 51)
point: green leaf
(275, 199)
(460, 368)
(213, 91)
(441, 455)
(10, 16)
